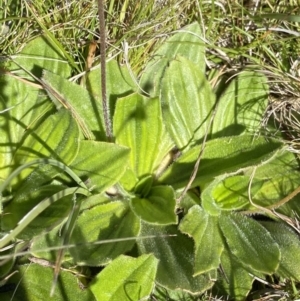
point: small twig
(105, 105)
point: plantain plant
(116, 219)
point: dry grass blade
(286, 113)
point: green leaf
(163, 294)
(25, 102)
(185, 42)
(234, 279)
(250, 242)
(282, 163)
(118, 84)
(102, 164)
(129, 180)
(37, 210)
(34, 284)
(38, 55)
(280, 178)
(204, 229)
(95, 200)
(158, 207)
(176, 260)
(76, 99)
(28, 197)
(110, 221)
(57, 137)
(288, 241)
(276, 189)
(241, 105)
(165, 154)
(230, 193)
(208, 202)
(40, 244)
(222, 155)
(143, 186)
(187, 101)
(138, 125)
(125, 279)
(45, 245)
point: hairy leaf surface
(222, 155)
(138, 125)
(186, 100)
(187, 43)
(158, 207)
(234, 279)
(101, 164)
(126, 279)
(241, 105)
(250, 242)
(111, 220)
(176, 258)
(289, 245)
(25, 103)
(37, 284)
(208, 241)
(56, 138)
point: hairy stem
(105, 105)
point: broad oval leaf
(234, 279)
(288, 241)
(126, 279)
(222, 155)
(250, 242)
(101, 164)
(38, 54)
(277, 188)
(76, 99)
(25, 104)
(34, 284)
(187, 101)
(208, 240)
(241, 105)
(110, 221)
(230, 193)
(57, 137)
(176, 259)
(282, 163)
(158, 207)
(45, 245)
(280, 179)
(138, 125)
(40, 244)
(185, 42)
